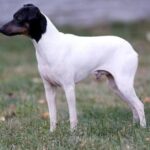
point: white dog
(65, 59)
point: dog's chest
(48, 71)
(49, 74)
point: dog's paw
(73, 126)
(53, 126)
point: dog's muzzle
(12, 28)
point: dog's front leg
(71, 100)
(50, 92)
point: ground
(105, 122)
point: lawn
(105, 122)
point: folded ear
(33, 15)
(28, 5)
(33, 11)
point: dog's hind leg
(114, 87)
(124, 88)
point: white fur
(65, 59)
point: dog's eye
(19, 19)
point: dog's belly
(80, 76)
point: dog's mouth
(13, 28)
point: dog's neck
(50, 32)
(48, 41)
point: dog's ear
(28, 5)
(27, 13)
(34, 12)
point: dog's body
(69, 58)
(65, 59)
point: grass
(105, 122)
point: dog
(65, 59)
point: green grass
(105, 122)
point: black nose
(2, 30)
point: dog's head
(26, 21)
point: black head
(26, 21)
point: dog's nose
(1, 30)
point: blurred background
(83, 12)
(101, 113)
